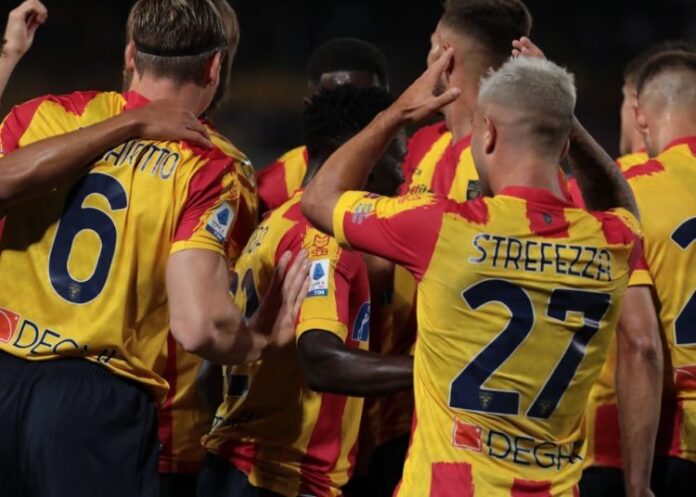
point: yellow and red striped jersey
(603, 435)
(518, 297)
(281, 179)
(88, 260)
(665, 189)
(287, 438)
(624, 163)
(183, 418)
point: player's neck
(458, 121)
(540, 173)
(187, 95)
(674, 127)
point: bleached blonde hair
(541, 90)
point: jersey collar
(535, 195)
(134, 100)
(684, 140)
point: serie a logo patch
(319, 278)
(220, 221)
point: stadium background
(81, 48)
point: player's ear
(129, 57)
(640, 120)
(490, 135)
(213, 76)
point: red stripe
(607, 437)
(166, 419)
(475, 211)
(272, 185)
(205, 190)
(615, 230)
(241, 455)
(324, 446)
(446, 167)
(451, 480)
(547, 220)
(418, 146)
(529, 488)
(576, 491)
(650, 167)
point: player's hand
(165, 120)
(422, 99)
(277, 314)
(526, 48)
(22, 24)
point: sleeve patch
(220, 221)
(319, 282)
(361, 326)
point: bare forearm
(639, 390)
(7, 65)
(357, 373)
(36, 168)
(348, 168)
(602, 185)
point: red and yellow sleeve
(401, 229)
(638, 265)
(210, 210)
(16, 123)
(326, 306)
(278, 181)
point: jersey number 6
(77, 218)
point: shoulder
(618, 226)
(626, 162)
(650, 168)
(427, 134)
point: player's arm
(22, 24)
(205, 321)
(348, 168)
(26, 172)
(638, 386)
(602, 185)
(331, 367)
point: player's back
(517, 302)
(665, 190)
(85, 264)
(271, 425)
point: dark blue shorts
(218, 478)
(70, 427)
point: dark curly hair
(333, 116)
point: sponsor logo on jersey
(361, 326)
(319, 279)
(8, 324)
(220, 221)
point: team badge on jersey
(8, 324)
(361, 326)
(220, 221)
(319, 283)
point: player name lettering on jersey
(159, 161)
(527, 451)
(505, 252)
(25, 334)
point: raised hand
(526, 48)
(22, 24)
(164, 120)
(420, 100)
(278, 311)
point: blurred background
(81, 46)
